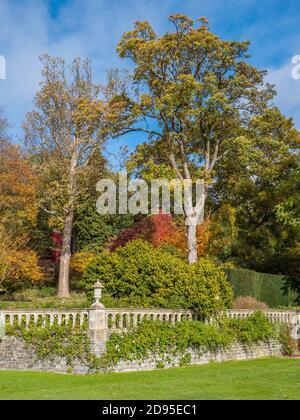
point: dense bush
(268, 288)
(253, 329)
(289, 345)
(248, 302)
(146, 276)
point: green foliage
(259, 178)
(93, 231)
(147, 276)
(289, 345)
(156, 339)
(253, 329)
(292, 280)
(58, 341)
(150, 339)
(264, 287)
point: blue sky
(92, 28)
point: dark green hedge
(264, 287)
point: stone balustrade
(124, 318)
(101, 321)
(44, 317)
(120, 319)
(274, 316)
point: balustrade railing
(101, 320)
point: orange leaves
(17, 261)
(17, 184)
(203, 236)
(160, 229)
(18, 208)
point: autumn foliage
(17, 184)
(18, 210)
(17, 261)
(160, 229)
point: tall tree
(18, 210)
(63, 132)
(194, 94)
(259, 179)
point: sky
(92, 28)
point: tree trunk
(194, 217)
(64, 268)
(192, 243)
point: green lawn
(260, 379)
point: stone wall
(14, 355)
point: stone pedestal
(97, 329)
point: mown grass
(268, 379)
(32, 299)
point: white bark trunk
(64, 268)
(192, 244)
(194, 217)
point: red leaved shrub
(248, 302)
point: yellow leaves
(146, 100)
(17, 262)
(87, 111)
(18, 184)
(203, 20)
(24, 266)
(223, 229)
(81, 260)
(181, 21)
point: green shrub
(289, 345)
(159, 338)
(142, 275)
(253, 329)
(268, 288)
(58, 341)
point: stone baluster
(52, 318)
(134, 320)
(81, 319)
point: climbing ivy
(156, 340)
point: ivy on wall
(156, 340)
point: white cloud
(82, 28)
(92, 28)
(288, 91)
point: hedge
(264, 287)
